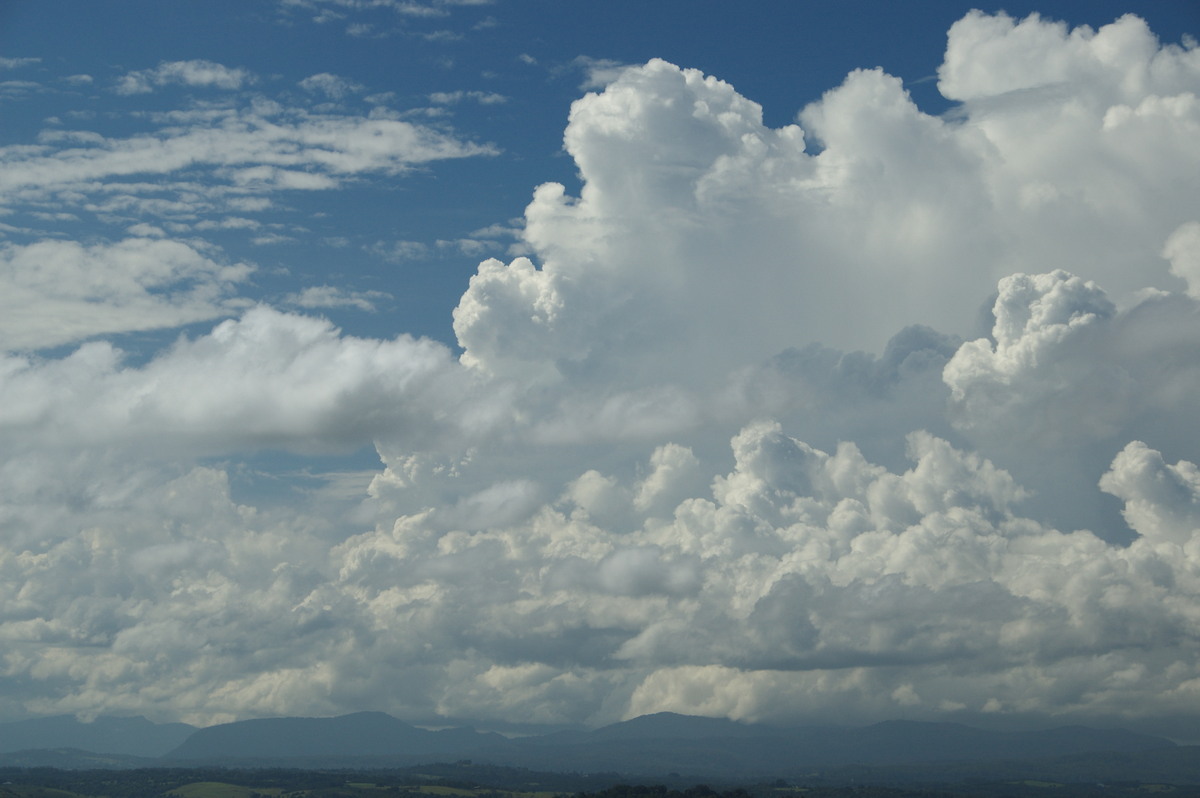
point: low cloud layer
(60, 292)
(878, 413)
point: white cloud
(1162, 502)
(187, 170)
(197, 73)
(18, 89)
(264, 144)
(1183, 251)
(442, 36)
(995, 55)
(686, 194)
(816, 568)
(598, 72)
(1068, 380)
(271, 239)
(406, 8)
(328, 296)
(18, 63)
(56, 292)
(481, 97)
(332, 86)
(399, 251)
(655, 478)
(266, 380)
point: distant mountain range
(665, 743)
(362, 734)
(104, 735)
(647, 746)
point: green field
(220, 789)
(32, 791)
(350, 789)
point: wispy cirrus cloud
(18, 63)
(323, 10)
(262, 145)
(385, 18)
(186, 172)
(481, 97)
(192, 163)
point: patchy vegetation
(454, 781)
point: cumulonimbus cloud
(868, 203)
(659, 476)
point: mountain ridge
(127, 736)
(357, 734)
(648, 745)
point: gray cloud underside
(642, 486)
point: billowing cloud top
(868, 204)
(731, 440)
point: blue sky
(531, 59)
(562, 362)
